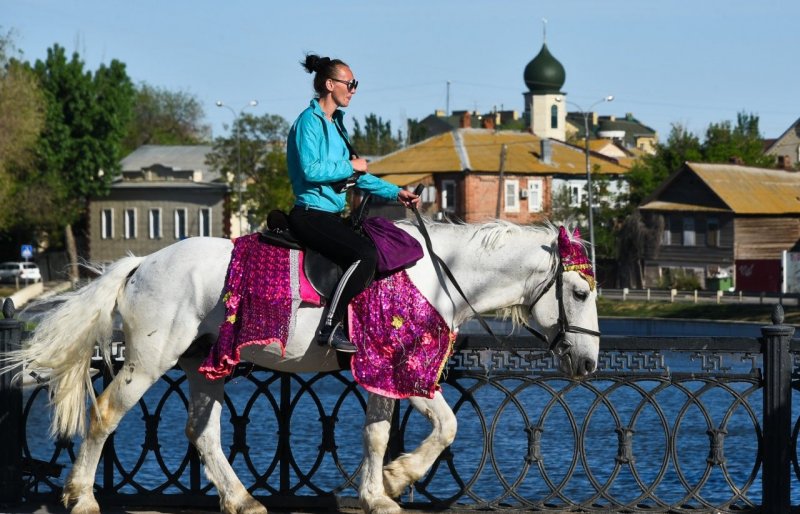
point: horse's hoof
(246, 505)
(382, 505)
(396, 478)
(86, 506)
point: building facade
(723, 223)
(164, 194)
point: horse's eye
(581, 295)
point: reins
(554, 346)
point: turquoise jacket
(317, 156)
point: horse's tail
(62, 345)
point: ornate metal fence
(665, 425)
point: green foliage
(375, 138)
(263, 163)
(78, 152)
(22, 107)
(679, 279)
(163, 117)
(416, 131)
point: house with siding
(723, 221)
(163, 194)
(786, 148)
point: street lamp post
(238, 179)
(585, 113)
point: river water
(561, 412)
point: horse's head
(565, 312)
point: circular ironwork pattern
(527, 439)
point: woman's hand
(359, 164)
(407, 198)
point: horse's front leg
(203, 430)
(376, 437)
(410, 467)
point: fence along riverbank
(666, 424)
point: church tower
(545, 108)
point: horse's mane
(493, 234)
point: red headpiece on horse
(573, 255)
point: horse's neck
(493, 274)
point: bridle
(557, 346)
(560, 344)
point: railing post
(10, 411)
(777, 415)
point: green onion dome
(544, 74)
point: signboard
(791, 272)
(758, 275)
(27, 252)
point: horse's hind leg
(410, 467)
(376, 436)
(203, 430)
(124, 391)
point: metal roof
(744, 189)
(478, 150)
(177, 157)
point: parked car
(24, 271)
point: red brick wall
(480, 196)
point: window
(107, 224)
(449, 195)
(712, 232)
(130, 223)
(535, 195)
(575, 194)
(428, 194)
(688, 232)
(180, 224)
(205, 222)
(512, 195)
(154, 223)
(554, 116)
(666, 235)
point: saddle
(322, 273)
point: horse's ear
(576, 234)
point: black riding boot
(332, 332)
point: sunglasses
(351, 85)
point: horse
(173, 298)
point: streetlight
(251, 103)
(585, 113)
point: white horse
(173, 297)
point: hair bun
(314, 63)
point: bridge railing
(665, 425)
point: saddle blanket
(403, 342)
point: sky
(688, 62)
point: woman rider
(321, 168)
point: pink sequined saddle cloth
(403, 342)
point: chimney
(546, 155)
(488, 122)
(466, 120)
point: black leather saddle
(322, 273)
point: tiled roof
(744, 189)
(478, 150)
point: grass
(710, 311)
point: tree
(22, 108)
(375, 138)
(79, 150)
(263, 163)
(163, 117)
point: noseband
(560, 344)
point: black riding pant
(334, 237)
